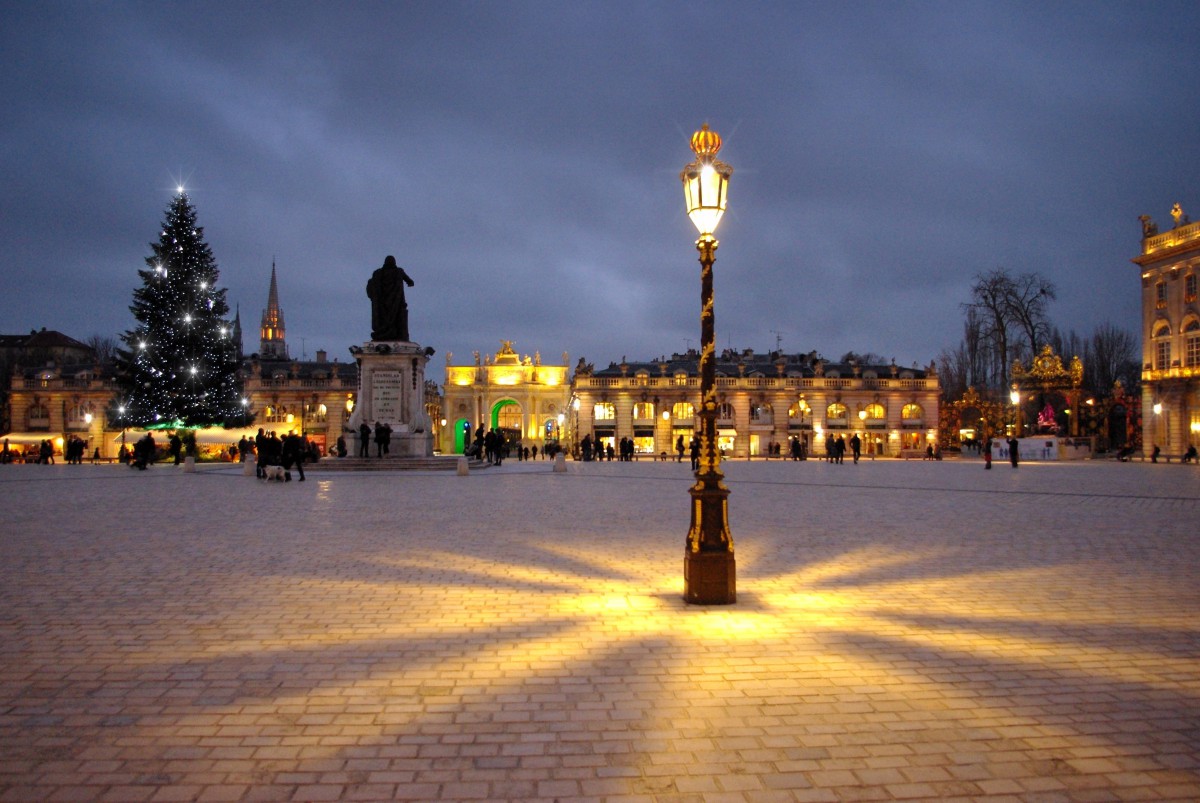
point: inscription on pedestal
(386, 389)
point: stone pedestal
(391, 390)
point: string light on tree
(178, 368)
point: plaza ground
(903, 630)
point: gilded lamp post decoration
(709, 569)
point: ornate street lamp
(709, 571)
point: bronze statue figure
(389, 311)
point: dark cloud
(521, 160)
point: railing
(1171, 239)
(1159, 374)
(60, 383)
(760, 383)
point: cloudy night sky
(521, 161)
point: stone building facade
(765, 400)
(520, 395)
(1170, 270)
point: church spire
(237, 330)
(272, 345)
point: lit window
(875, 412)
(725, 411)
(681, 411)
(643, 411)
(837, 411)
(1160, 295)
(604, 411)
(1189, 288)
(912, 412)
(1162, 354)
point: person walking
(293, 453)
(855, 447)
(364, 440)
(679, 449)
(987, 454)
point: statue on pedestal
(389, 310)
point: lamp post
(709, 570)
(1015, 398)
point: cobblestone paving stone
(903, 631)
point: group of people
(1014, 452)
(383, 439)
(288, 452)
(595, 449)
(835, 448)
(492, 446)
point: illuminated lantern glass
(706, 182)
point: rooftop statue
(389, 310)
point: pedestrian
(856, 447)
(987, 454)
(1014, 451)
(176, 446)
(293, 451)
(260, 451)
(1154, 453)
(679, 449)
(364, 440)
(695, 452)
(380, 435)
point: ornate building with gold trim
(522, 396)
(764, 400)
(1170, 268)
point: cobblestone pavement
(903, 631)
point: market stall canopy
(32, 438)
(210, 436)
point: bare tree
(1028, 296)
(104, 347)
(954, 367)
(1011, 317)
(990, 302)
(1113, 356)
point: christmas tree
(179, 365)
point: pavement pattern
(903, 631)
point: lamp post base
(709, 578)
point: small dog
(274, 473)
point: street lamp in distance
(709, 568)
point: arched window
(875, 412)
(78, 416)
(1191, 343)
(1162, 346)
(912, 412)
(643, 411)
(836, 411)
(316, 413)
(683, 411)
(509, 417)
(39, 416)
(725, 411)
(604, 411)
(800, 412)
(762, 413)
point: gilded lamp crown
(706, 142)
